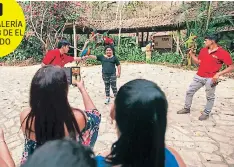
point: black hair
(62, 43)
(141, 117)
(50, 109)
(61, 153)
(110, 47)
(213, 37)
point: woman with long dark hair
(140, 112)
(51, 117)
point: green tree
(46, 19)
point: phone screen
(75, 75)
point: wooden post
(147, 37)
(137, 37)
(177, 41)
(120, 25)
(142, 38)
(71, 39)
(74, 38)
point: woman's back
(170, 160)
(89, 133)
(79, 117)
(50, 116)
(140, 112)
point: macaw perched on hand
(190, 44)
(85, 52)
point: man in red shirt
(210, 61)
(58, 56)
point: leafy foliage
(46, 19)
(207, 21)
(45, 23)
(129, 51)
(170, 57)
(30, 48)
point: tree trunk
(44, 48)
(74, 36)
(177, 41)
(209, 3)
(120, 25)
(137, 38)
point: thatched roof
(163, 22)
(173, 20)
(148, 16)
(159, 21)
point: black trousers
(110, 81)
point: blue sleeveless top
(169, 162)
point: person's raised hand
(77, 59)
(80, 84)
(191, 52)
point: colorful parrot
(85, 52)
(190, 44)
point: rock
(211, 157)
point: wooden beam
(142, 38)
(74, 38)
(129, 30)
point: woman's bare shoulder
(24, 114)
(80, 117)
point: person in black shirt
(109, 74)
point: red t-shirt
(54, 57)
(212, 62)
